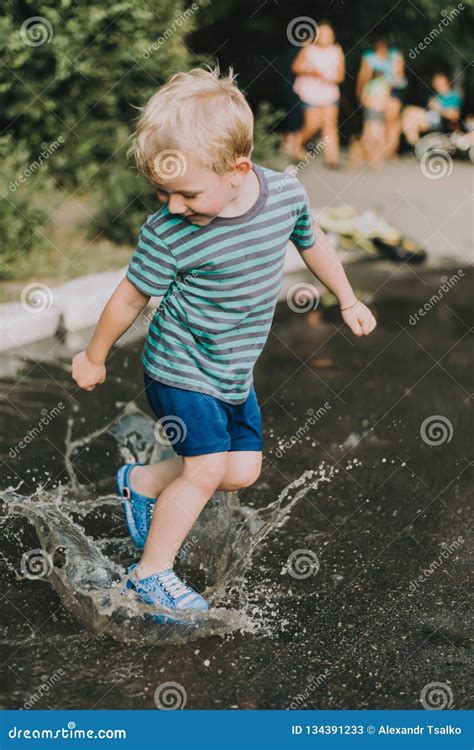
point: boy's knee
(241, 483)
(206, 471)
(250, 478)
(242, 478)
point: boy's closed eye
(164, 196)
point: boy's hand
(359, 319)
(87, 374)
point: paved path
(435, 212)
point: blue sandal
(137, 509)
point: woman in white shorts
(319, 69)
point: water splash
(84, 542)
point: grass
(68, 251)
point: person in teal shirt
(443, 111)
(389, 62)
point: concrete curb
(75, 305)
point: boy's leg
(178, 508)
(243, 468)
(151, 479)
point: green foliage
(20, 218)
(80, 76)
(266, 140)
(125, 200)
(86, 81)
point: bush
(75, 74)
(73, 78)
(20, 217)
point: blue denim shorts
(198, 423)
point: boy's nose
(176, 206)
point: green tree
(76, 73)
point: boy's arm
(122, 309)
(322, 261)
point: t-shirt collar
(253, 210)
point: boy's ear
(243, 165)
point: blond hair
(196, 115)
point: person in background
(442, 112)
(390, 62)
(319, 69)
(291, 123)
(370, 148)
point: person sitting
(441, 114)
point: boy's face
(199, 195)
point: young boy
(215, 250)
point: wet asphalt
(386, 612)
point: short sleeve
(153, 266)
(456, 101)
(303, 232)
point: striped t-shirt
(220, 285)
